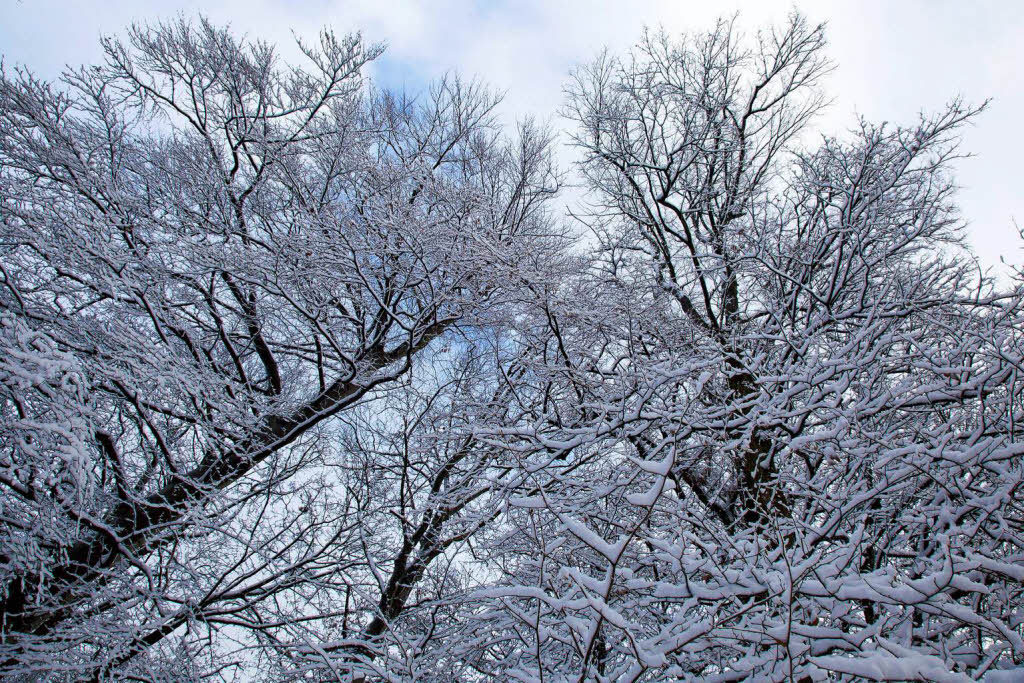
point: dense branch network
(301, 379)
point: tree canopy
(304, 379)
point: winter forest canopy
(303, 379)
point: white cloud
(894, 58)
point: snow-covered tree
(787, 446)
(300, 380)
(206, 254)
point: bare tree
(299, 380)
(205, 255)
(794, 453)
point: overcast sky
(894, 59)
